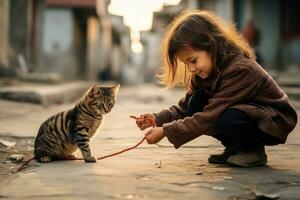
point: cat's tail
(38, 152)
(37, 155)
(24, 165)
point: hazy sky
(138, 15)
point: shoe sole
(212, 161)
(256, 164)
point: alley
(150, 171)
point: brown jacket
(243, 85)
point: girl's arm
(175, 112)
(238, 85)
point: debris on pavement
(158, 165)
(16, 158)
(199, 173)
(14, 150)
(7, 143)
(221, 188)
(227, 177)
(265, 196)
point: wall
(4, 22)
(57, 43)
(94, 49)
(291, 55)
(19, 30)
(224, 8)
(153, 54)
(267, 17)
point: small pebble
(218, 188)
(199, 173)
(16, 158)
(266, 196)
(227, 177)
(158, 165)
(7, 143)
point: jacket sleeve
(236, 86)
(174, 112)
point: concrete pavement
(151, 171)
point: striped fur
(61, 134)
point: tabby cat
(61, 134)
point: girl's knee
(231, 120)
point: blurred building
(277, 23)
(152, 40)
(77, 39)
(279, 30)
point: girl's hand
(154, 135)
(145, 121)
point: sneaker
(222, 157)
(253, 157)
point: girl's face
(198, 62)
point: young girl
(230, 97)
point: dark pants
(234, 127)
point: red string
(23, 166)
(114, 154)
(152, 121)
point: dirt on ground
(13, 152)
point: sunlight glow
(136, 44)
(138, 15)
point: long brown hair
(200, 30)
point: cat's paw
(45, 159)
(71, 157)
(90, 159)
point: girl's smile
(197, 61)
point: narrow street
(148, 172)
(52, 51)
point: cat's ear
(94, 90)
(115, 88)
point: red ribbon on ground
(23, 166)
